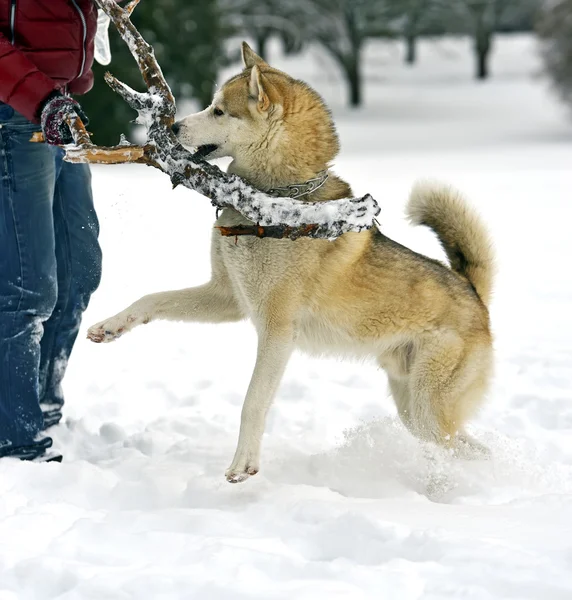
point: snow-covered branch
(274, 217)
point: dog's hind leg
(397, 364)
(209, 303)
(402, 397)
(441, 388)
(275, 345)
(448, 382)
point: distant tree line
(190, 37)
(342, 27)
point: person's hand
(54, 113)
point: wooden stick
(129, 8)
(271, 231)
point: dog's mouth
(204, 151)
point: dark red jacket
(45, 45)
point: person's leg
(78, 258)
(28, 282)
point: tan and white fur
(362, 295)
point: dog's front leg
(209, 303)
(274, 349)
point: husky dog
(426, 324)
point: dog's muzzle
(202, 151)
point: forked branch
(274, 217)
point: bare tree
(260, 20)
(484, 15)
(421, 17)
(483, 18)
(555, 31)
(342, 28)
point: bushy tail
(460, 231)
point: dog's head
(261, 117)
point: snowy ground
(140, 508)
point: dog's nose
(176, 127)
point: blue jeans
(50, 264)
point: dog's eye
(218, 112)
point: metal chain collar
(300, 189)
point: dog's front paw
(239, 475)
(243, 467)
(113, 328)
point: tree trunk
(483, 43)
(351, 58)
(261, 41)
(482, 65)
(411, 55)
(353, 77)
(351, 66)
(484, 31)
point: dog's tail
(460, 231)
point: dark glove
(54, 113)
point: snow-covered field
(140, 508)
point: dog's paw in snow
(238, 476)
(469, 448)
(113, 328)
(241, 469)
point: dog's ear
(249, 57)
(256, 89)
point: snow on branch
(274, 217)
